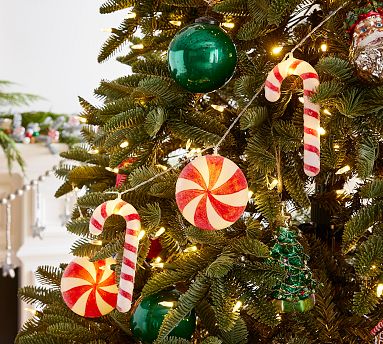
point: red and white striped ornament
(211, 192)
(89, 288)
(133, 225)
(311, 120)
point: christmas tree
(204, 262)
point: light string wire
(216, 147)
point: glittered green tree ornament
(295, 293)
(202, 57)
(147, 318)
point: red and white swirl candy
(311, 120)
(378, 328)
(211, 192)
(133, 225)
(89, 288)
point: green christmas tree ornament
(202, 57)
(296, 292)
(147, 318)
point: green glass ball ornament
(147, 318)
(202, 57)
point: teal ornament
(148, 316)
(202, 57)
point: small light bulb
(131, 15)
(157, 265)
(228, 25)
(343, 170)
(82, 119)
(107, 29)
(159, 232)
(219, 108)
(158, 260)
(273, 184)
(250, 194)
(30, 310)
(93, 151)
(325, 111)
(191, 249)
(336, 147)
(379, 290)
(124, 144)
(277, 50)
(96, 242)
(322, 131)
(324, 47)
(137, 46)
(373, 267)
(339, 192)
(162, 167)
(301, 99)
(237, 306)
(141, 235)
(175, 22)
(19, 192)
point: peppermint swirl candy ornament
(89, 288)
(211, 192)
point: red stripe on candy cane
(96, 224)
(125, 294)
(293, 67)
(312, 169)
(131, 232)
(308, 93)
(277, 74)
(311, 148)
(126, 261)
(131, 217)
(104, 213)
(272, 86)
(311, 113)
(377, 328)
(130, 247)
(306, 76)
(310, 131)
(127, 277)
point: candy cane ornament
(311, 121)
(133, 225)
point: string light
(159, 232)
(157, 265)
(228, 25)
(250, 194)
(141, 235)
(175, 22)
(124, 144)
(373, 267)
(93, 151)
(191, 249)
(131, 15)
(336, 147)
(343, 170)
(277, 50)
(167, 304)
(107, 29)
(325, 111)
(273, 184)
(219, 108)
(96, 242)
(324, 47)
(339, 192)
(31, 310)
(379, 290)
(237, 306)
(322, 131)
(301, 99)
(114, 170)
(158, 260)
(162, 167)
(137, 46)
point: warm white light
(336, 147)
(141, 235)
(373, 267)
(157, 265)
(191, 249)
(343, 170)
(237, 306)
(137, 46)
(273, 184)
(219, 108)
(277, 50)
(93, 151)
(301, 99)
(124, 144)
(114, 170)
(168, 304)
(107, 29)
(325, 111)
(322, 131)
(250, 194)
(159, 232)
(339, 192)
(131, 15)
(324, 47)
(228, 25)
(30, 310)
(162, 167)
(96, 242)
(175, 22)
(158, 260)
(379, 290)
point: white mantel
(54, 247)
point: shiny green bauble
(202, 57)
(147, 318)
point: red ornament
(89, 288)
(211, 192)
(155, 248)
(120, 177)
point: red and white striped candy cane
(311, 139)
(378, 328)
(133, 225)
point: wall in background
(50, 48)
